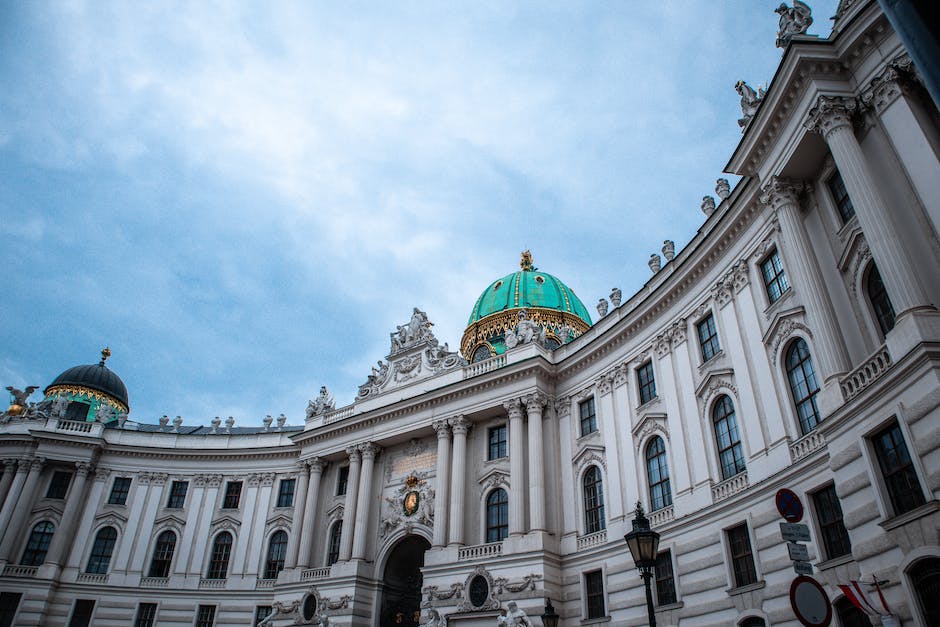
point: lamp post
(549, 617)
(644, 544)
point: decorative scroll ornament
(324, 403)
(750, 101)
(412, 503)
(794, 20)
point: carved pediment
(114, 519)
(495, 477)
(48, 512)
(278, 520)
(226, 522)
(855, 246)
(590, 453)
(648, 424)
(713, 378)
(169, 519)
(783, 326)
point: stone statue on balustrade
(750, 101)
(323, 403)
(418, 329)
(794, 20)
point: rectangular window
(146, 615)
(496, 436)
(708, 337)
(119, 491)
(285, 493)
(594, 594)
(775, 279)
(898, 470)
(646, 382)
(831, 528)
(588, 417)
(841, 197)
(177, 494)
(233, 493)
(205, 617)
(59, 485)
(342, 482)
(742, 559)
(9, 601)
(665, 580)
(262, 612)
(81, 614)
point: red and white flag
(871, 602)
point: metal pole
(647, 575)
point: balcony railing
(74, 425)
(870, 371)
(480, 551)
(661, 516)
(265, 583)
(312, 574)
(154, 582)
(339, 414)
(14, 570)
(484, 366)
(212, 584)
(92, 578)
(592, 539)
(807, 444)
(729, 487)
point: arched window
(482, 353)
(803, 384)
(880, 302)
(336, 535)
(497, 515)
(593, 486)
(277, 551)
(925, 578)
(730, 454)
(38, 544)
(101, 551)
(218, 560)
(849, 615)
(657, 473)
(162, 554)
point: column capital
(830, 113)
(460, 425)
(82, 469)
(535, 402)
(513, 408)
(102, 473)
(302, 466)
(781, 191)
(563, 407)
(214, 481)
(37, 463)
(317, 465)
(442, 427)
(353, 453)
(884, 89)
(369, 450)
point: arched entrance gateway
(401, 583)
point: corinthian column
(442, 482)
(831, 117)
(803, 267)
(460, 427)
(310, 511)
(349, 510)
(369, 451)
(62, 539)
(533, 406)
(300, 502)
(516, 469)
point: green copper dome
(525, 289)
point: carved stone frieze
(504, 585)
(412, 503)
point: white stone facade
(413, 451)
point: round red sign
(810, 602)
(789, 505)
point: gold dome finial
(526, 262)
(105, 353)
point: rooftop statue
(750, 100)
(20, 403)
(794, 20)
(322, 404)
(525, 331)
(417, 329)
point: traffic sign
(798, 552)
(794, 532)
(789, 505)
(802, 568)
(810, 602)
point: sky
(243, 199)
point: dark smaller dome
(97, 377)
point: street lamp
(549, 617)
(644, 543)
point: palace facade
(793, 343)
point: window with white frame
(730, 452)
(776, 283)
(897, 469)
(803, 384)
(742, 557)
(101, 550)
(657, 474)
(593, 487)
(708, 337)
(588, 416)
(594, 602)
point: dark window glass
(9, 601)
(76, 410)
(849, 615)
(277, 551)
(496, 436)
(81, 614)
(730, 453)
(497, 515)
(205, 617)
(336, 535)
(925, 577)
(479, 591)
(285, 493)
(162, 555)
(646, 382)
(752, 621)
(218, 560)
(233, 494)
(829, 514)
(59, 485)
(708, 337)
(898, 470)
(342, 481)
(101, 551)
(742, 560)
(594, 589)
(657, 473)
(38, 544)
(146, 615)
(482, 353)
(593, 484)
(119, 491)
(775, 279)
(880, 302)
(841, 197)
(262, 612)
(177, 494)
(665, 580)
(803, 384)
(588, 417)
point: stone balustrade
(154, 582)
(480, 551)
(212, 584)
(810, 442)
(92, 578)
(662, 516)
(481, 367)
(592, 539)
(339, 414)
(870, 371)
(313, 574)
(15, 570)
(729, 487)
(265, 583)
